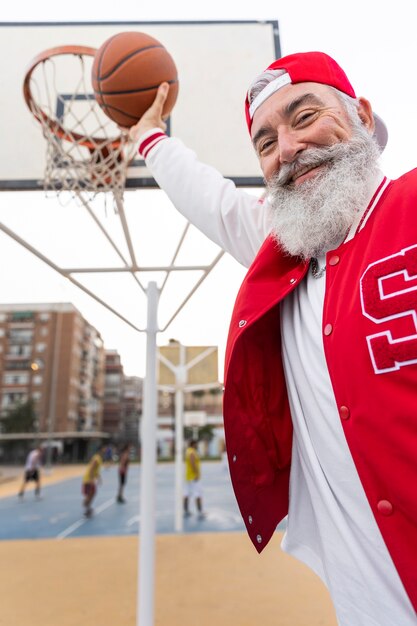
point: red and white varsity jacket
(370, 340)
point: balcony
(17, 364)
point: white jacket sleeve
(235, 220)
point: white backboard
(216, 62)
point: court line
(83, 520)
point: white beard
(315, 216)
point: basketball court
(84, 571)
(58, 514)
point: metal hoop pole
(146, 583)
(180, 381)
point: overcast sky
(373, 41)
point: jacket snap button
(328, 329)
(344, 412)
(334, 260)
(234, 458)
(250, 519)
(385, 507)
(259, 538)
(293, 280)
(242, 323)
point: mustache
(309, 159)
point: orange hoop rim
(89, 142)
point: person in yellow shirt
(91, 478)
(192, 479)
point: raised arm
(232, 218)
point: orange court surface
(202, 579)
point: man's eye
(265, 146)
(304, 117)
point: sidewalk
(210, 579)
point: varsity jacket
(370, 342)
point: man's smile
(305, 173)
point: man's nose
(289, 145)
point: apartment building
(51, 354)
(122, 400)
(132, 407)
(113, 394)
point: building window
(16, 379)
(44, 331)
(40, 347)
(37, 380)
(44, 317)
(18, 350)
(113, 379)
(18, 316)
(16, 365)
(9, 399)
(2, 332)
(21, 335)
(3, 317)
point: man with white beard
(321, 365)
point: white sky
(373, 41)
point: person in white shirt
(32, 471)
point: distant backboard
(204, 371)
(216, 62)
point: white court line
(136, 518)
(82, 521)
(70, 529)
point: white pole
(180, 381)
(179, 405)
(52, 409)
(146, 583)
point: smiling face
(299, 117)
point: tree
(202, 433)
(21, 419)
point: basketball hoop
(86, 151)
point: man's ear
(366, 115)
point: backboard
(205, 371)
(216, 62)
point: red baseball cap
(312, 67)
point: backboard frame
(30, 183)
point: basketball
(127, 71)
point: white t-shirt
(331, 527)
(33, 461)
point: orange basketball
(126, 73)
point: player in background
(193, 480)
(122, 471)
(91, 479)
(32, 471)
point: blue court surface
(59, 514)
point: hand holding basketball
(153, 117)
(127, 71)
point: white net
(86, 151)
